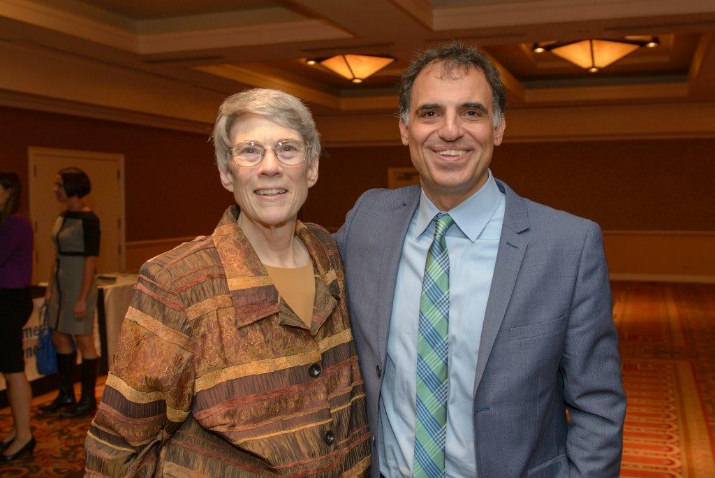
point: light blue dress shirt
(472, 243)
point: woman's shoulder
(320, 232)
(82, 214)
(89, 215)
(18, 218)
(186, 258)
(18, 222)
(319, 238)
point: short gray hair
(451, 56)
(278, 106)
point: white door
(106, 173)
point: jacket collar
(252, 291)
(516, 214)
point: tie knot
(442, 222)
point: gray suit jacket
(548, 343)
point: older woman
(236, 356)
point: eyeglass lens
(252, 152)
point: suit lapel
(512, 247)
(393, 225)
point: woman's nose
(270, 164)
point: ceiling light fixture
(354, 67)
(594, 54)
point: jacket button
(314, 370)
(329, 437)
(378, 371)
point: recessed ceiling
(219, 47)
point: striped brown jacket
(216, 376)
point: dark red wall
(173, 190)
(623, 185)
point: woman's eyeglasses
(251, 153)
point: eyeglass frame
(234, 156)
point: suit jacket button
(378, 371)
(315, 370)
(329, 437)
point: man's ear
(404, 132)
(226, 179)
(313, 172)
(499, 132)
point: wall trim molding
(649, 232)
(662, 278)
(83, 110)
(660, 256)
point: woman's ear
(313, 172)
(226, 179)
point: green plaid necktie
(432, 346)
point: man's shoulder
(549, 214)
(538, 216)
(380, 198)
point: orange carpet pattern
(60, 442)
(667, 341)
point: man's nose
(451, 128)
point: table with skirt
(114, 294)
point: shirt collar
(471, 216)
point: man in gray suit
(531, 381)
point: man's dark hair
(451, 56)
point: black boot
(87, 402)
(65, 397)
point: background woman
(15, 310)
(72, 293)
(236, 356)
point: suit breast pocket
(538, 330)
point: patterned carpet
(667, 337)
(60, 442)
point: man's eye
(427, 114)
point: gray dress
(76, 236)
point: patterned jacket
(216, 376)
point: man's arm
(593, 388)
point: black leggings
(15, 311)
